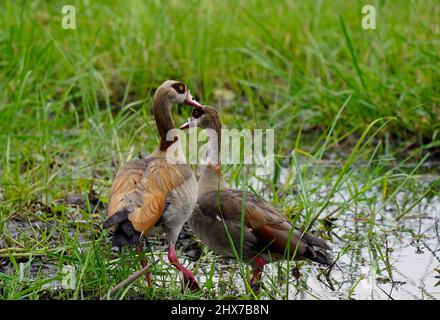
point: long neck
(164, 120)
(211, 175)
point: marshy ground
(357, 137)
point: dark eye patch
(179, 87)
(197, 113)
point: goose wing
(270, 230)
(139, 192)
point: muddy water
(413, 252)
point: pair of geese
(156, 195)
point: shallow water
(414, 255)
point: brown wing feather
(142, 186)
(126, 180)
(270, 228)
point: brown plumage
(266, 231)
(267, 235)
(142, 187)
(157, 194)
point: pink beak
(189, 100)
(185, 125)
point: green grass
(359, 108)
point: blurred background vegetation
(291, 64)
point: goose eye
(179, 87)
(196, 114)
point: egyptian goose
(156, 194)
(216, 219)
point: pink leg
(144, 264)
(147, 274)
(257, 270)
(188, 277)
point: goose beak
(189, 100)
(185, 125)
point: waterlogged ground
(412, 249)
(385, 249)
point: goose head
(204, 118)
(168, 94)
(208, 118)
(175, 92)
